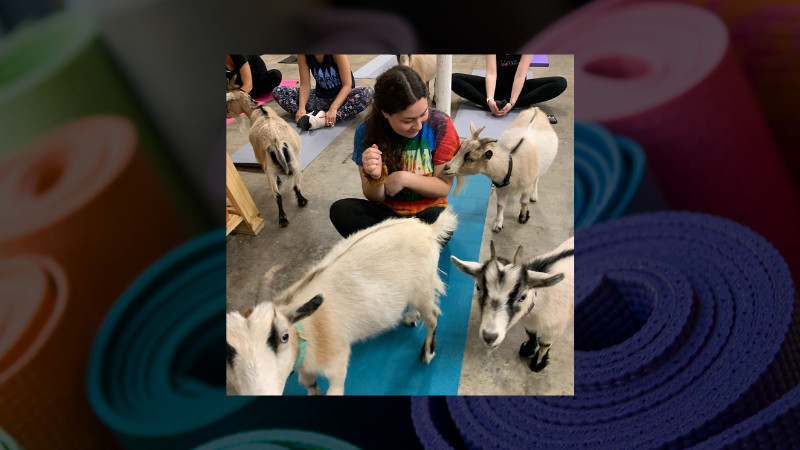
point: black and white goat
(275, 143)
(514, 163)
(538, 293)
(360, 289)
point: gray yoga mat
(377, 66)
(468, 111)
(313, 143)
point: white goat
(539, 294)
(425, 66)
(275, 143)
(357, 291)
(514, 163)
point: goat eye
(522, 299)
(477, 288)
(285, 337)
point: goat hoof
(426, 357)
(527, 217)
(496, 228)
(538, 367)
(527, 349)
(284, 222)
(301, 202)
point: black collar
(508, 175)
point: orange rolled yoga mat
(44, 348)
(665, 75)
(85, 195)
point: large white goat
(275, 143)
(514, 163)
(538, 293)
(357, 291)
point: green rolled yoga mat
(55, 70)
(277, 440)
(7, 442)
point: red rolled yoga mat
(664, 74)
(85, 195)
(44, 348)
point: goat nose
(489, 337)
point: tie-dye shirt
(435, 144)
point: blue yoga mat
(277, 440)
(686, 332)
(389, 364)
(156, 374)
(611, 177)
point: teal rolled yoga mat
(7, 442)
(277, 439)
(611, 177)
(156, 374)
(55, 70)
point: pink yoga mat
(665, 75)
(265, 98)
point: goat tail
(283, 156)
(445, 225)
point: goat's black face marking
(230, 354)
(272, 340)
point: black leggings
(264, 84)
(536, 90)
(351, 215)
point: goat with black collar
(514, 163)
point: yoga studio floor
(465, 366)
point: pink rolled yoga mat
(665, 75)
(265, 98)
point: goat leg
(282, 220)
(301, 201)
(528, 348)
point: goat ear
(306, 309)
(488, 155)
(229, 97)
(542, 279)
(518, 257)
(470, 268)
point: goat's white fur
(531, 160)
(269, 133)
(553, 306)
(366, 280)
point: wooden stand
(244, 216)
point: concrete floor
(310, 234)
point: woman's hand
(372, 162)
(330, 116)
(300, 113)
(505, 110)
(395, 182)
(493, 107)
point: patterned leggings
(358, 99)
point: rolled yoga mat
(85, 195)
(685, 326)
(611, 177)
(56, 70)
(665, 75)
(44, 345)
(277, 439)
(156, 373)
(7, 442)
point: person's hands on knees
(372, 162)
(505, 110)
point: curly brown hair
(395, 90)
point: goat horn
(518, 256)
